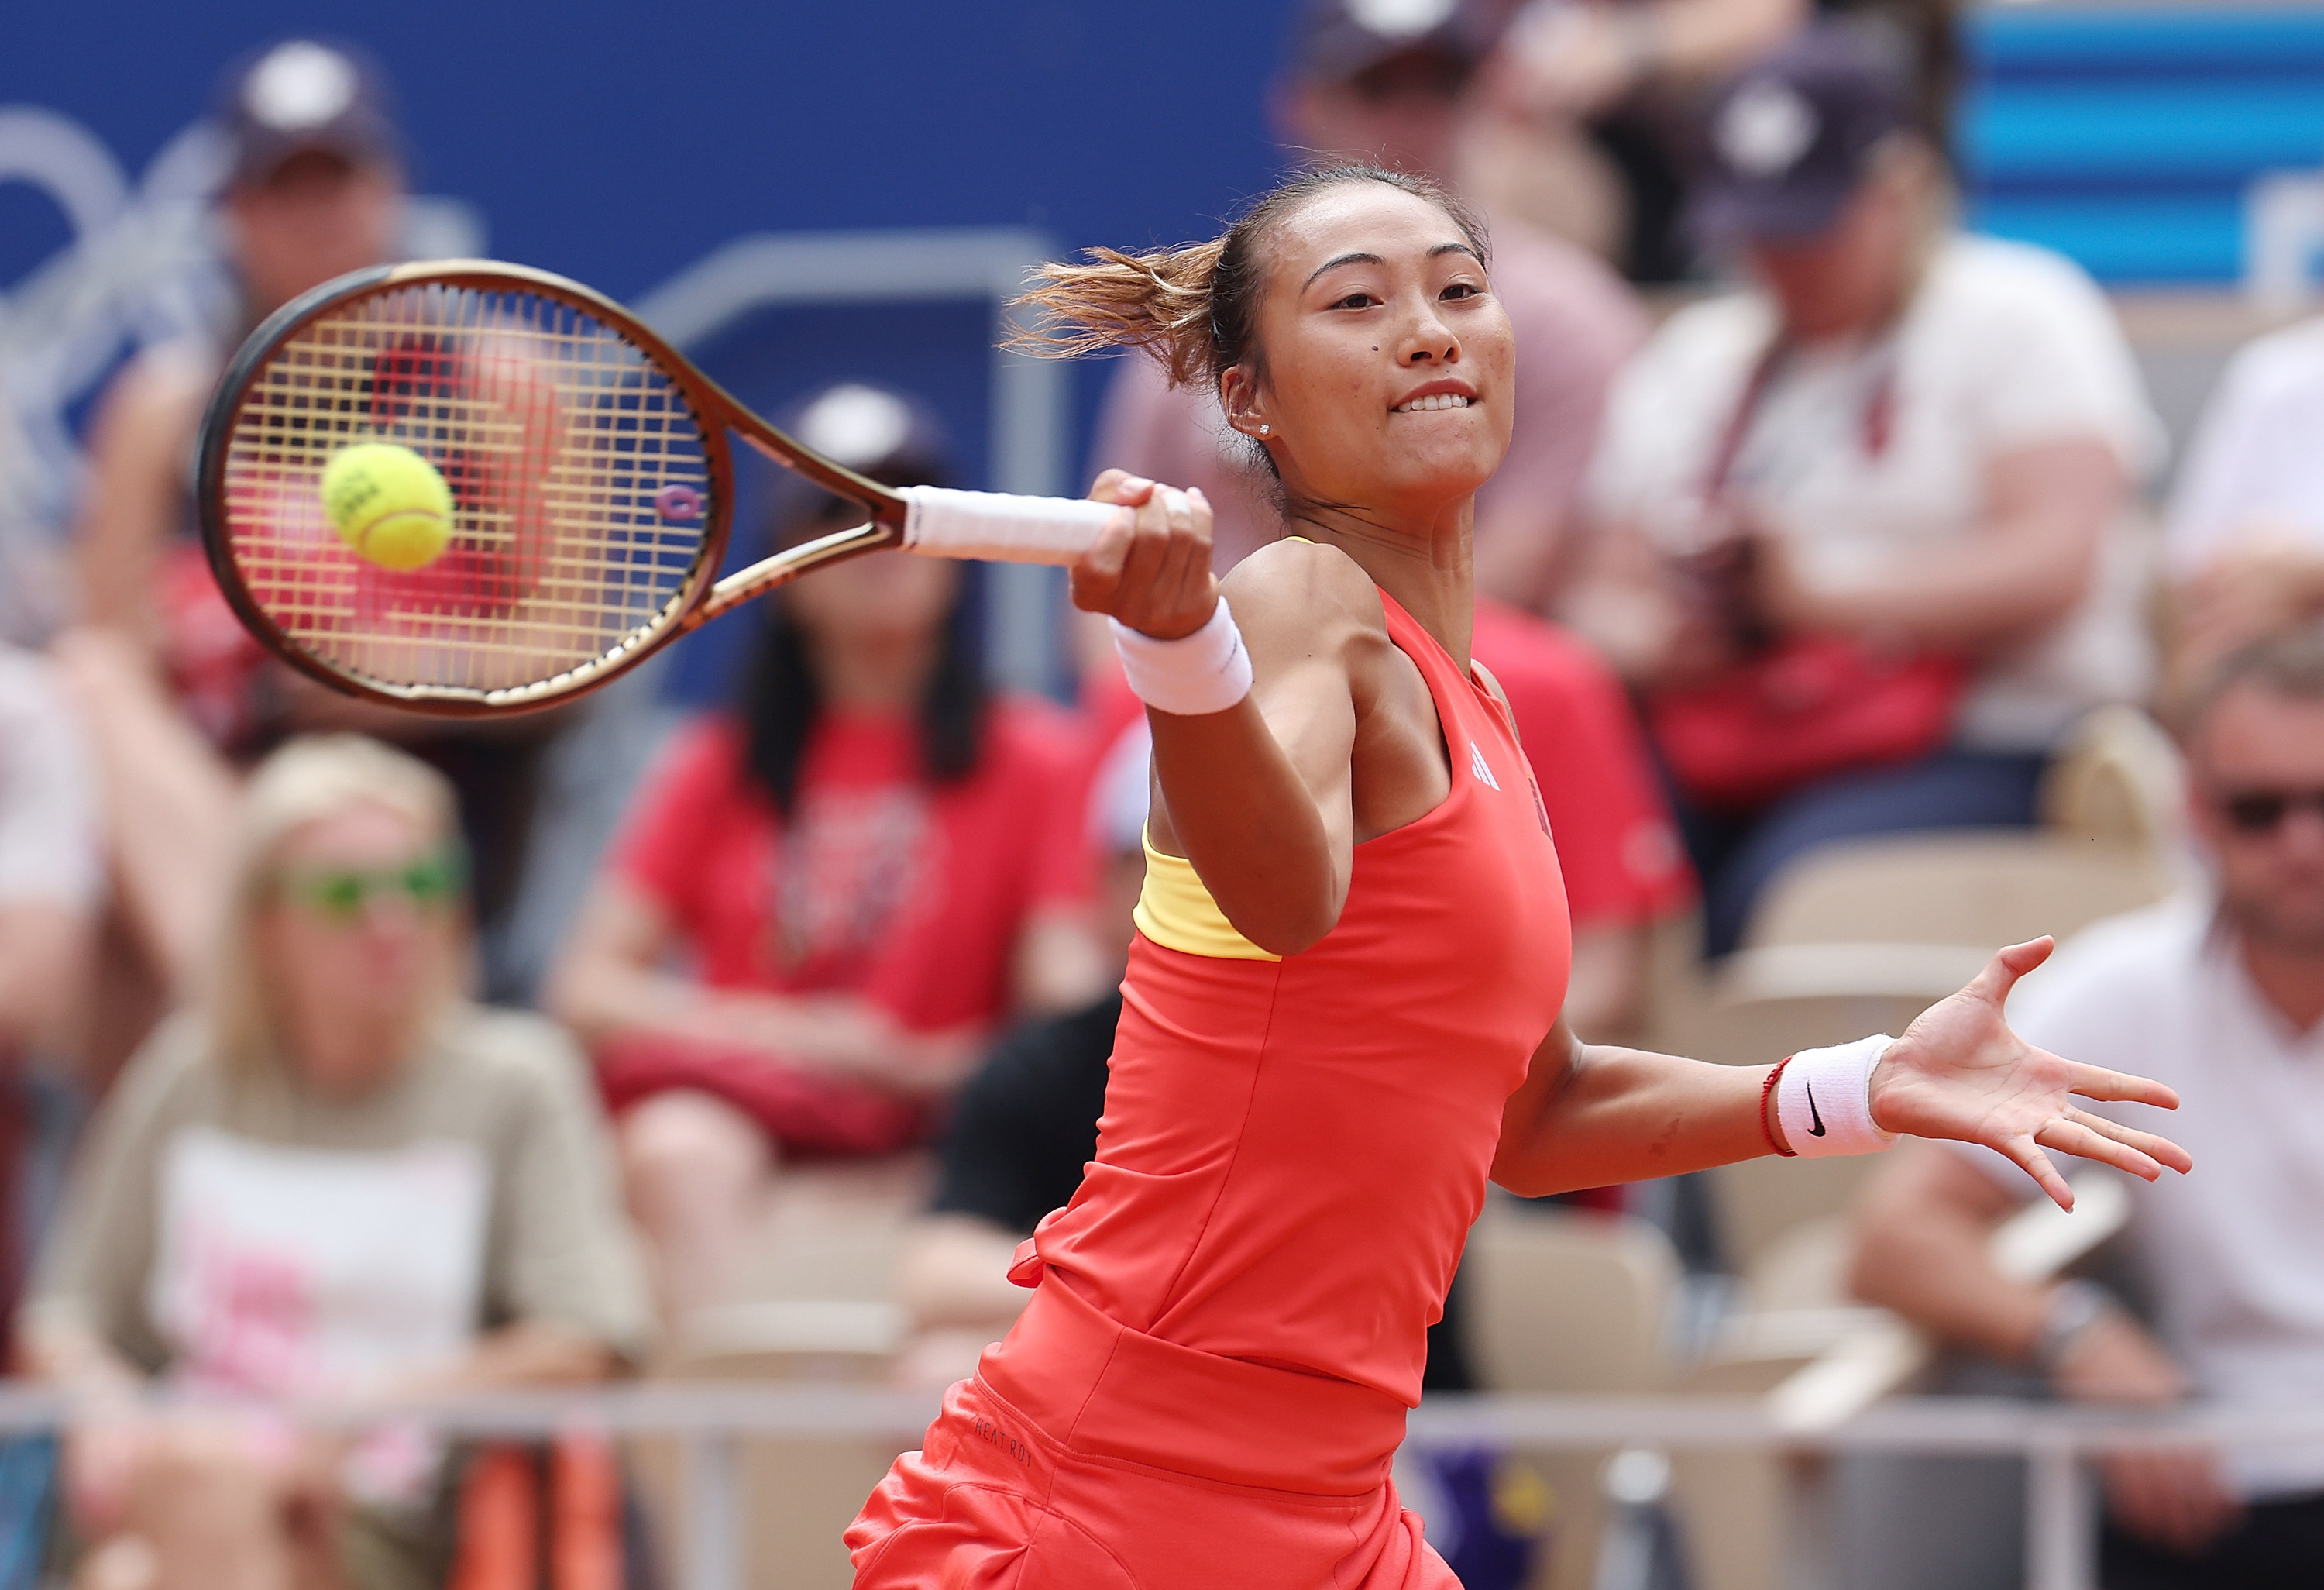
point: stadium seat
(2117, 778)
(1571, 1301)
(1860, 937)
(1981, 888)
(1568, 1301)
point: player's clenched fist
(1150, 568)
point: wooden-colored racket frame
(699, 597)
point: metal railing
(710, 1420)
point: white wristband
(1824, 1100)
(1204, 672)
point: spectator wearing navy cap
(168, 684)
(1594, 105)
(1867, 535)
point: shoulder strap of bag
(1738, 423)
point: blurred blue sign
(620, 144)
(2127, 135)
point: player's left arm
(1594, 1115)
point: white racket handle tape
(999, 527)
(1824, 1100)
(1204, 672)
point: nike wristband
(1824, 1100)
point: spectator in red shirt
(866, 869)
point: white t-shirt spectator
(1863, 452)
(51, 848)
(2233, 1255)
(2254, 465)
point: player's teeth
(1442, 400)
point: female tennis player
(1342, 1011)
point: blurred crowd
(1825, 519)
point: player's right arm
(1258, 797)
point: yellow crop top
(1176, 911)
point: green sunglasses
(341, 894)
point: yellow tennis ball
(389, 503)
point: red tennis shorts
(1084, 1456)
(989, 1502)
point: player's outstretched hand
(1150, 568)
(1960, 1072)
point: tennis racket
(591, 481)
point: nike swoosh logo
(1816, 1130)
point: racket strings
(579, 472)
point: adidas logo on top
(1477, 766)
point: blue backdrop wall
(620, 143)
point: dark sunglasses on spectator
(341, 894)
(2262, 811)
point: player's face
(1385, 369)
(2259, 801)
(315, 218)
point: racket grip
(1000, 528)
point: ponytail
(1159, 301)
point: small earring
(1265, 430)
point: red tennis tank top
(1293, 1150)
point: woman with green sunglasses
(340, 895)
(336, 1174)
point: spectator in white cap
(861, 874)
(1026, 1122)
